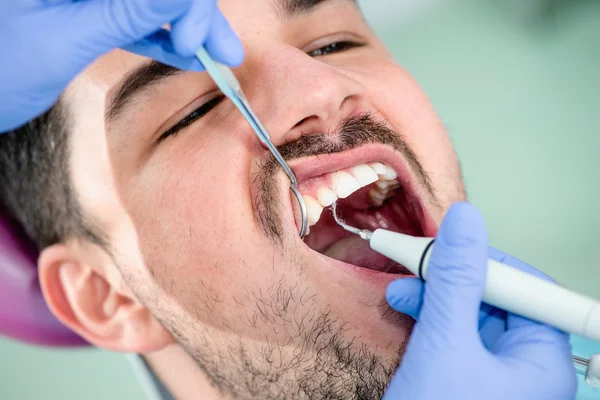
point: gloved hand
(46, 43)
(446, 357)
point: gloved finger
(191, 30)
(205, 24)
(457, 273)
(544, 349)
(487, 313)
(223, 44)
(102, 25)
(130, 20)
(514, 321)
(42, 3)
(159, 47)
(534, 342)
(492, 324)
(406, 296)
(51, 2)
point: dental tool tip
(363, 233)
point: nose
(295, 94)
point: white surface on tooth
(390, 174)
(379, 168)
(326, 196)
(313, 209)
(376, 198)
(344, 184)
(384, 171)
(377, 195)
(383, 184)
(384, 189)
(364, 174)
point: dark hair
(35, 184)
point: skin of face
(187, 258)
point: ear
(82, 297)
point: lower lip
(372, 276)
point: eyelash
(336, 47)
(332, 48)
(192, 117)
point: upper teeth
(325, 196)
(344, 183)
(365, 175)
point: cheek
(403, 104)
(192, 211)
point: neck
(180, 374)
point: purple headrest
(23, 311)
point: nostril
(302, 122)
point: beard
(315, 359)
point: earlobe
(81, 297)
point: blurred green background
(517, 84)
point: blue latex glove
(446, 357)
(46, 43)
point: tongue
(356, 251)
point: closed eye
(192, 117)
(335, 47)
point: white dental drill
(506, 287)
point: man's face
(202, 225)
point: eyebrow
(136, 82)
(291, 8)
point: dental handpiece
(506, 287)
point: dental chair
(24, 315)
(23, 312)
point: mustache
(355, 131)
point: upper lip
(312, 167)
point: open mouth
(368, 195)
